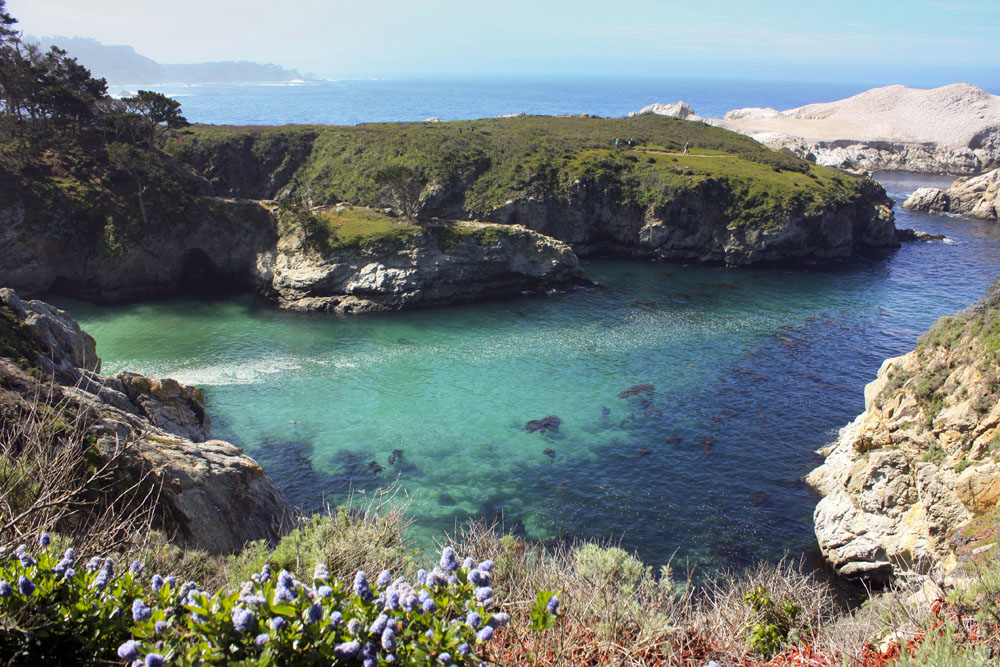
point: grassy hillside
(481, 164)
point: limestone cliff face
(441, 264)
(215, 497)
(977, 197)
(904, 479)
(694, 226)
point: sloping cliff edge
(914, 482)
(208, 494)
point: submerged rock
(550, 423)
(637, 390)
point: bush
(51, 613)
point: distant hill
(122, 65)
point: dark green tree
(401, 188)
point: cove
(751, 370)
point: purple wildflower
(44, 540)
(265, 573)
(69, 573)
(25, 586)
(393, 601)
(101, 580)
(473, 619)
(129, 650)
(445, 658)
(347, 650)
(389, 639)
(282, 593)
(498, 619)
(361, 588)
(320, 572)
(553, 605)
(384, 579)
(378, 625)
(136, 568)
(94, 564)
(468, 563)
(243, 620)
(254, 600)
(261, 639)
(448, 560)
(157, 583)
(464, 649)
(429, 605)
(324, 591)
(429, 634)
(390, 658)
(479, 578)
(287, 580)
(336, 618)
(315, 613)
(26, 559)
(140, 612)
(486, 565)
(484, 593)
(452, 579)
(485, 634)
(171, 581)
(369, 662)
(353, 627)
(154, 660)
(159, 626)
(421, 576)
(5, 589)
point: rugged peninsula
(953, 129)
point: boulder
(976, 197)
(679, 109)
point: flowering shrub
(55, 611)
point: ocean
(751, 370)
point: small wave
(247, 372)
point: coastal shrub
(368, 536)
(773, 623)
(56, 610)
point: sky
(911, 41)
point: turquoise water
(752, 370)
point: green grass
(360, 227)
(483, 163)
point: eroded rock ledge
(441, 264)
(214, 496)
(914, 481)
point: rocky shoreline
(904, 481)
(208, 494)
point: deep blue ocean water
(371, 100)
(752, 370)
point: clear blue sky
(915, 41)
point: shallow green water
(752, 371)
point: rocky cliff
(914, 481)
(977, 197)
(695, 225)
(210, 495)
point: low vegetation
(476, 166)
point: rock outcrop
(953, 129)
(904, 479)
(695, 226)
(977, 197)
(679, 109)
(211, 495)
(441, 264)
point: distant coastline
(120, 65)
